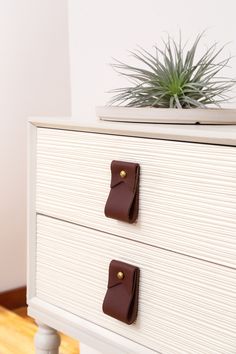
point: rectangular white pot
(167, 115)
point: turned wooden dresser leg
(47, 340)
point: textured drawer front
(187, 192)
(186, 305)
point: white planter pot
(167, 115)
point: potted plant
(172, 85)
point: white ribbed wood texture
(187, 306)
(187, 190)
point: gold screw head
(120, 275)
(123, 174)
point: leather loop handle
(121, 300)
(123, 200)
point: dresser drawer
(187, 190)
(186, 305)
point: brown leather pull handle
(121, 300)
(123, 201)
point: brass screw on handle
(123, 174)
(120, 275)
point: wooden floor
(17, 332)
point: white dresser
(184, 240)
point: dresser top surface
(211, 134)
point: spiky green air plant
(174, 78)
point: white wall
(100, 30)
(34, 80)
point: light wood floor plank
(17, 331)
